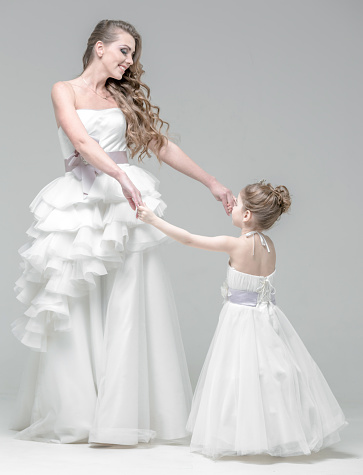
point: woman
(110, 366)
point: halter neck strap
(262, 239)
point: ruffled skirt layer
(260, 391)
(109, 365)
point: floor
(26, 458)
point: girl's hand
(131, 193)
(221, 193)
(145, 214)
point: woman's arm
(218, 243)
(172, 155)
(67, 118)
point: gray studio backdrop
(252, 89)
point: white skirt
(260, 391)
(109, 364)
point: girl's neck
(246, 231)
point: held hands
(221, 193)
(133, 195)
(145, 214)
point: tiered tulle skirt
(109, 365)
(260, 391)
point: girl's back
(255, 255)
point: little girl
(259, 391)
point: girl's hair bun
(266, 202)
(283, 197)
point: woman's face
(118, 55)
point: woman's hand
(145, 214)
(132, 194)
(221, 193)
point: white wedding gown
(107, 363)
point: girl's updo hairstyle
(265, 202)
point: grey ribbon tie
(84, 171)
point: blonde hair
(265, 202)
(130, 93)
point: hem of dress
(134, 437)
(332, 437)
(71, 437)
(177, 438)
(120, 436)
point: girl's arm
(173, 156)
(217, 243)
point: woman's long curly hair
(130, 93)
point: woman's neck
(95, 77)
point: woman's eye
(124, 51)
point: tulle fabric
(74, 239)
(109, 364)
(260, 391)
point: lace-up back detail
(263, 286)
(242, 281)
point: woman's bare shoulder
(61, 89)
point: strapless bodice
(237, 285)
(108, 126)
(239, 280)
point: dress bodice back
(242, 281)
(239, 281)
(107, 126)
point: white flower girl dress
(260, 391)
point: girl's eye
(124, 51)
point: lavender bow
(81, 169)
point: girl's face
(237, 216)
(117, 56)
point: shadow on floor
(326, 454)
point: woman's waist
(75, 158)
(85, 171)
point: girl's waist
(264, 294)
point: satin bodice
(107, 126)
(238, 282)
(242, 281)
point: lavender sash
(245, 297)
(84, 171)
